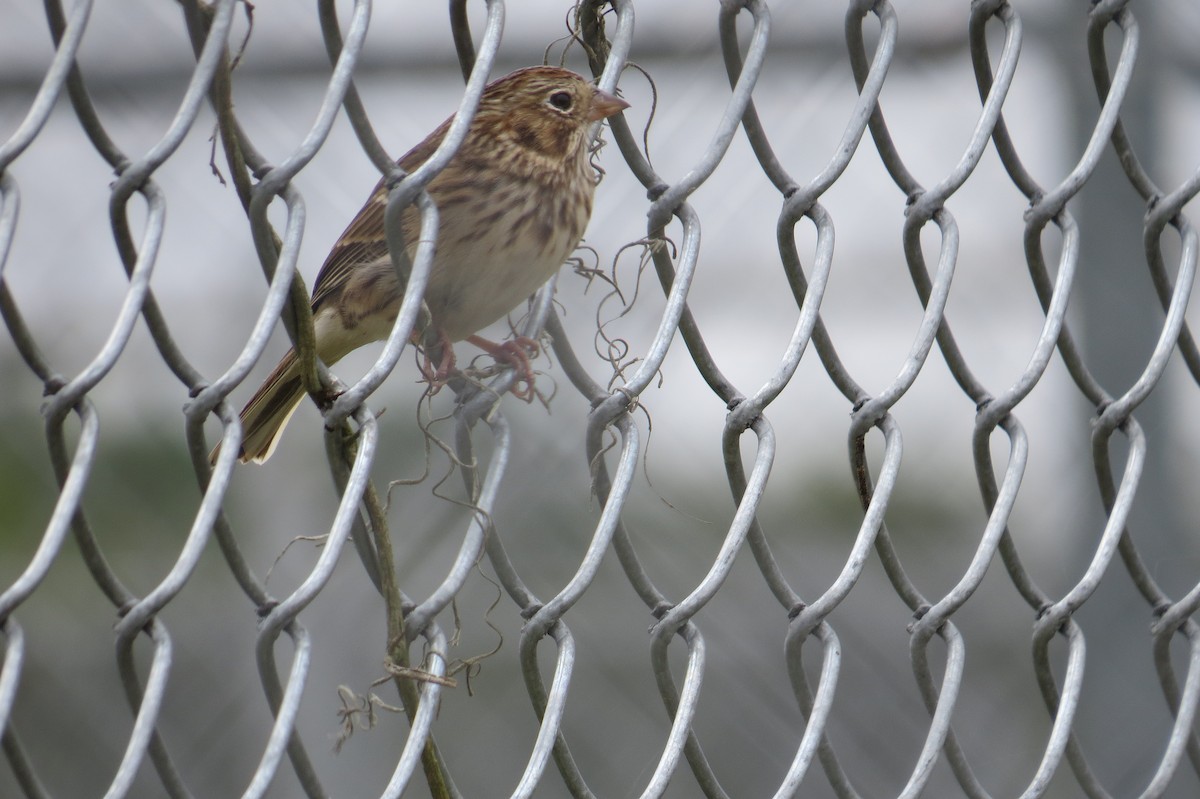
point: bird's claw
(436, 378)
(516, 352)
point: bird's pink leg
(516, 352)
(437, 378)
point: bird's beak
(605, 105)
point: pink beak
(605, 105)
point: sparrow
(513, 203)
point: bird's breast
(500, 249)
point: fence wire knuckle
(1076, 359)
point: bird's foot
(436, 378)
(515, 352)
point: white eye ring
(561, 100)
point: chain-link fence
(1007, 611)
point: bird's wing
(364, 240)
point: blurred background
(66, 278)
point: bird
(513, 203)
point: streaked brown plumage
(513, 203)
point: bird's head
(545, 110)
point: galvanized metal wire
(484, 443)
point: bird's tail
(268, 411)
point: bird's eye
(561, 101)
